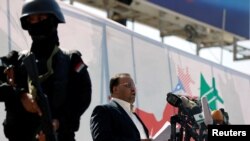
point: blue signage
(235, 12)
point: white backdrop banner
(109, 48)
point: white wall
(109, 48)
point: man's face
(36, 18)
(125, 90)
(41, 26)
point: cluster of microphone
(196, 113)
(199, 110)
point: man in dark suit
(117, 121)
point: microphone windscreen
(174, 100)
(206, 111)
(187, 103)
(217, 116)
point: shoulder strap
(49, 65)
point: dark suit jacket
(110, 122)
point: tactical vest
(55, 81)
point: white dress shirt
(129, 108)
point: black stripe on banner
(216, 132)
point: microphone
(174, 100)
(198, 115)
(187, 103)
(220, 116)
(177, 101)
(187, 106)
(225, 116)
(217, 116)
(195, 110)
(182, 102)
(206, 111)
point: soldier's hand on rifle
(41, 136)
(30, 104)
(55, 124)
(9, 71)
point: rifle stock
(41, 99)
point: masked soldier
(63, 77)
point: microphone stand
(173, 120)
(189, 130)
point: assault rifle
(41, 99)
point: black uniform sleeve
(79, 95)
(7, 91)
(80, 85)
(2, 75)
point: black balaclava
(44, 36)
